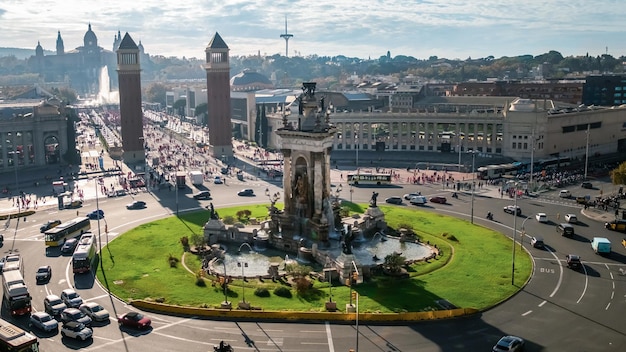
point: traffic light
(354, 295)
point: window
(567, 129)
(525, 145)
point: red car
(134, 320)
(438, 199)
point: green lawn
(474, 271)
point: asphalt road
(559, 309)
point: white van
(564, 193)
(418, 200)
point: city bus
(16, 296)
(14, 339)
(491, 172)
(84, 254)
(365, 178)
(56, 236)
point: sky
(453, 29)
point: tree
(394, 262)
(202, 110)
(179, 106)
(155, 93)
(618, 175)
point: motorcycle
(223, 347)
(454, 195)
(489, 216)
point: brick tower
(218, 99)
(131, 116)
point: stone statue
(213, 214)
(347, 241)
(373, 200)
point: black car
(48, 225)
(573, 261)
(96, 214)
(394, 200)
(138, 204)
(587, 185)
(248, 192)
(69, 246)
(44, 273)
(202, 195)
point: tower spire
(286, 36)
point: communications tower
(286, 36)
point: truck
(196, 176)
(16, 296)
(601, 245)
(180, 179)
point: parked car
(53, 305)
(218, 180)
(586, 185)
(509, 344)
(69, 246)
(95, 311)
(393, 200)
(71, 298)
(48, 225)
(513, 209)
(541, 217)
(248, 192)
(43, 321)
(96, 214)
(573, 261)
(537, 242)
(76, 330)
(438, 199)
(571, 218)
(134, 320)
(43, 274)
(564, 193)
(74, 314)
(202, 195)
(138, 204)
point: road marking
(586, 284)
(542, 303)
(525, 314)
(329, 336)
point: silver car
(43, 321)
(95, 311)
(71, 298)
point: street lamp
(338, 192)
(514, 234)
(356, 143)
(243, 277)
(473, 185)
(587, 152)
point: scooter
(223, 347)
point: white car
(571, 218)
(541, 217)
(408, 196)
(95, 311)
(418, 200)
(76, 330)
(218, 180)
(564, 193)
(43, 321)
(71, 298)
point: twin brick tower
(218, 94)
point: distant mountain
(21, 53)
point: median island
(161, 263)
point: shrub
(200, 278)
(262, 292)
(303, 285)
(283, 292)
(172, 260)
(184, 241)
(228, 220)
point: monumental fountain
(309, 228)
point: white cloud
(450, 28)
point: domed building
(79, 69)
(248, 81)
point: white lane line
(329, 336)
(586, 283)
(542, 303)
(525, 314)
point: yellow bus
(366, 178)
(14, 339)
(56, 236)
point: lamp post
(243, 278)
(523, 233)
(473, 185)
(356, 143)
(514, 233)
(351, 191)
(587, 152)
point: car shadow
(76, 344)
(135, 332)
